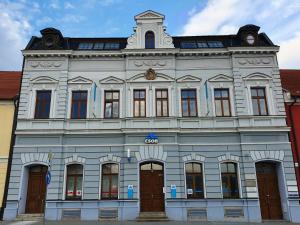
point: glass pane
(74, 110)
(115, 109)
(142, 94)
(263, 110)
(143, 108)
(189, 167)
(253, 92)
(136, 94)
(184, 94)
(165, 108)
(189, 181)
(158, 108)
(146, 166)
(231, 167)
(218, 108)
(98, 45)
(226, 108)
(74, 169)
(261, 92)
(158, 94)
(108, 95)
(255, 107)
(156, 166)
(83, 110)
(79, 186)
(108, 108)
(193, 111)
(192, 93)
(137, 108)
(197, 168)
(114, 168)
(164, 94)
(105, 186)
(234, 186)
(225, 93)
(226, 186)
(70, 186)
(114, 186)
(106, 168)
(224, 168)
(185, 108)
(198, 186)
(217, 93)
(116, 95)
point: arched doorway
(268, 189)
(151, 187)
(36, 189)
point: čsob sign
(151, 139)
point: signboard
(48, 177)
(189, 191)
(173, 191)
(130, 191)
(151, 139)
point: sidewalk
(71, 222)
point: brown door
(36, 190)
(269, 197)
(151, 187)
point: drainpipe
(12, 143)
(294, 136)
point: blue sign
(151, 139)
(48, 177)
(173, 191)
(130, 191)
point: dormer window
(149, 40)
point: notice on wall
(130, 191)
(173, 191)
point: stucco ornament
(150, 74)
(254, 61)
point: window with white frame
(222, 102)
(74, 182)
(110, 181)
(259, 101)
(42, 104)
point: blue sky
(21, 19)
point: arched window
(194, 180)
(74, 181)
(149, 40)
(110, 181)
(230, 184)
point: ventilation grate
(197, 214)
(71, 214)
(234, 212)
(108, 214)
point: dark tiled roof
(9, 84)
(290, 80)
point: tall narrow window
(139, 103)
(42, 105)
(79, 104)
(111, 104)
(74, 182)
(162, 108)
(149, 40)
(222, 102)
(194, 180)
(259, 101)
(230, 185)
(110, 181)
(189, 102)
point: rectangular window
(139, 103)
(79, 104)
(222, 102)
(111, 107)
(194, 180)
(42, 105)
(259, 101)
(162, 108)
(189, 102)
(74, 182)
(110, 181)
(230, 184)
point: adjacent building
(290, 80)
(192, 127)
(9, 94)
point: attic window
(85, 46)
(215, 44)
(149, 40)
(202, 44)
(98, 45)
(111, 46)
(188, 44)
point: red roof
(9, 84)
(290, 80)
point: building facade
(290, 80)
(193, 127)
(9, 93)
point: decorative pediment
(257, 76)
(149, 14)
(188, 78)
(80, 80)
(44, 80)
(111, 80)
(142, 78)
(221, 78)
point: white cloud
(14, 32)
(69, 5)
(280, 19)
(70, 18)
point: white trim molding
(193, 157)
(151, 152)
(75, 159)
(110, 158)
(228, 157)
(39, 158)
(267, 155)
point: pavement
(73, 222)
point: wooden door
(151, 187)
(269, 196)
(36, 190)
